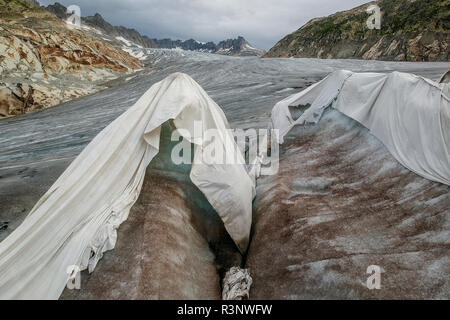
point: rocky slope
(411, 30)
(117, 34)
(239, 47)
(43, 62)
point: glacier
(340, 202)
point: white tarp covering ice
(408, 113)
(75, 222)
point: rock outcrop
(238, 47)
(43, 62)
(411, 30)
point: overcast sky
(261, 22)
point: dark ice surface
(339, 203)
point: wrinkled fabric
(320, 96)
(236, 284)
(75, 222)
(408, 113)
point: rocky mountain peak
(58, 9)
(44, 63)
(238, 46)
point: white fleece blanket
(75, 222)
(408, 113)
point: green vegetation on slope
(416, 30)
(10, 9)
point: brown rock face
(57, 63)
(411, 30)
(340, 204)
(9, 102)
(73, 51)
(22, 98)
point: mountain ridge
(411, 30)
(44, 62)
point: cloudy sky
(261, 22)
